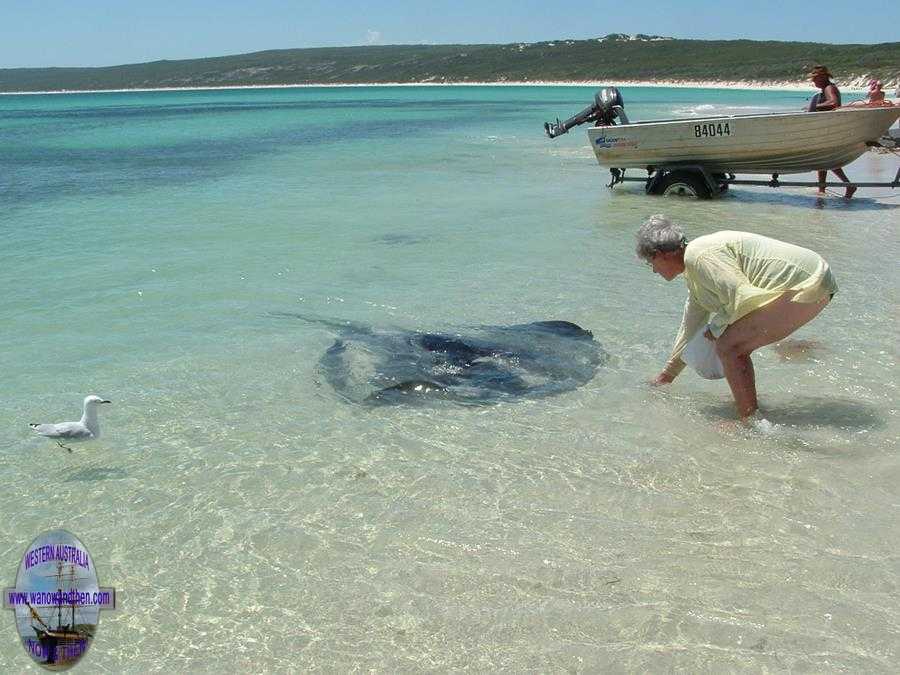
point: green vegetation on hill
(609, 59)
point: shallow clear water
(252, 520)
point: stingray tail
(335, 324)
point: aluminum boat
(769, 143)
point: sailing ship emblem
(57, 600)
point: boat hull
(772, 143)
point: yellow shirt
(730, 274)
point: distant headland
(613, 59)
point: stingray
(477, 365)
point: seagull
(86, 429)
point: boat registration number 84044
(712, 130)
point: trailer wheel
(683, 184)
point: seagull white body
(85, 429)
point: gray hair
(659, 234)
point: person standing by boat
(751, 290)
(875, 98)
(876, 94)
(828, 98)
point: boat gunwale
(805, 115)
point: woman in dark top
(829, 98)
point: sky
(39, 33)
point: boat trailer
(695, 180)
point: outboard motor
(607, 106)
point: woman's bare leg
(742, 379)
(822, 176)
(762, 327)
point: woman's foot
(850, 191)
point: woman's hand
(662, 378)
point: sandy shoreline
(681, 84)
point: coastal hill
(613, 58)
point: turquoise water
(252, 520)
